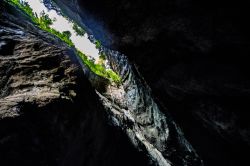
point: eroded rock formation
(49, 112)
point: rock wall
(194, 57)
(49, 112)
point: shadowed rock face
(49, 113)
(194, 56)
(53, 81)
(131, 107)
(33, 71)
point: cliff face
(41, 76)
(194, 56)
(53, 113)
(132, 107)
(49, 112)
(32, 71)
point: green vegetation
(44, 22)
(98, 44)
(102, 56)
(25, 7)
(99, 69)
(63, 36)
(79, 31)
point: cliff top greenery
(44, 22)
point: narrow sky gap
(61, 24)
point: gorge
(71, 99)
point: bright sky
(61, 24)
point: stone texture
(36, 72)
(50, 115)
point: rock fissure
(41, 73)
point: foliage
(67, 34)
(44, 23)
(79, 31)
(25, 7)
(102, 56)
(45, 20)
(98, 44)
(99, 69)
